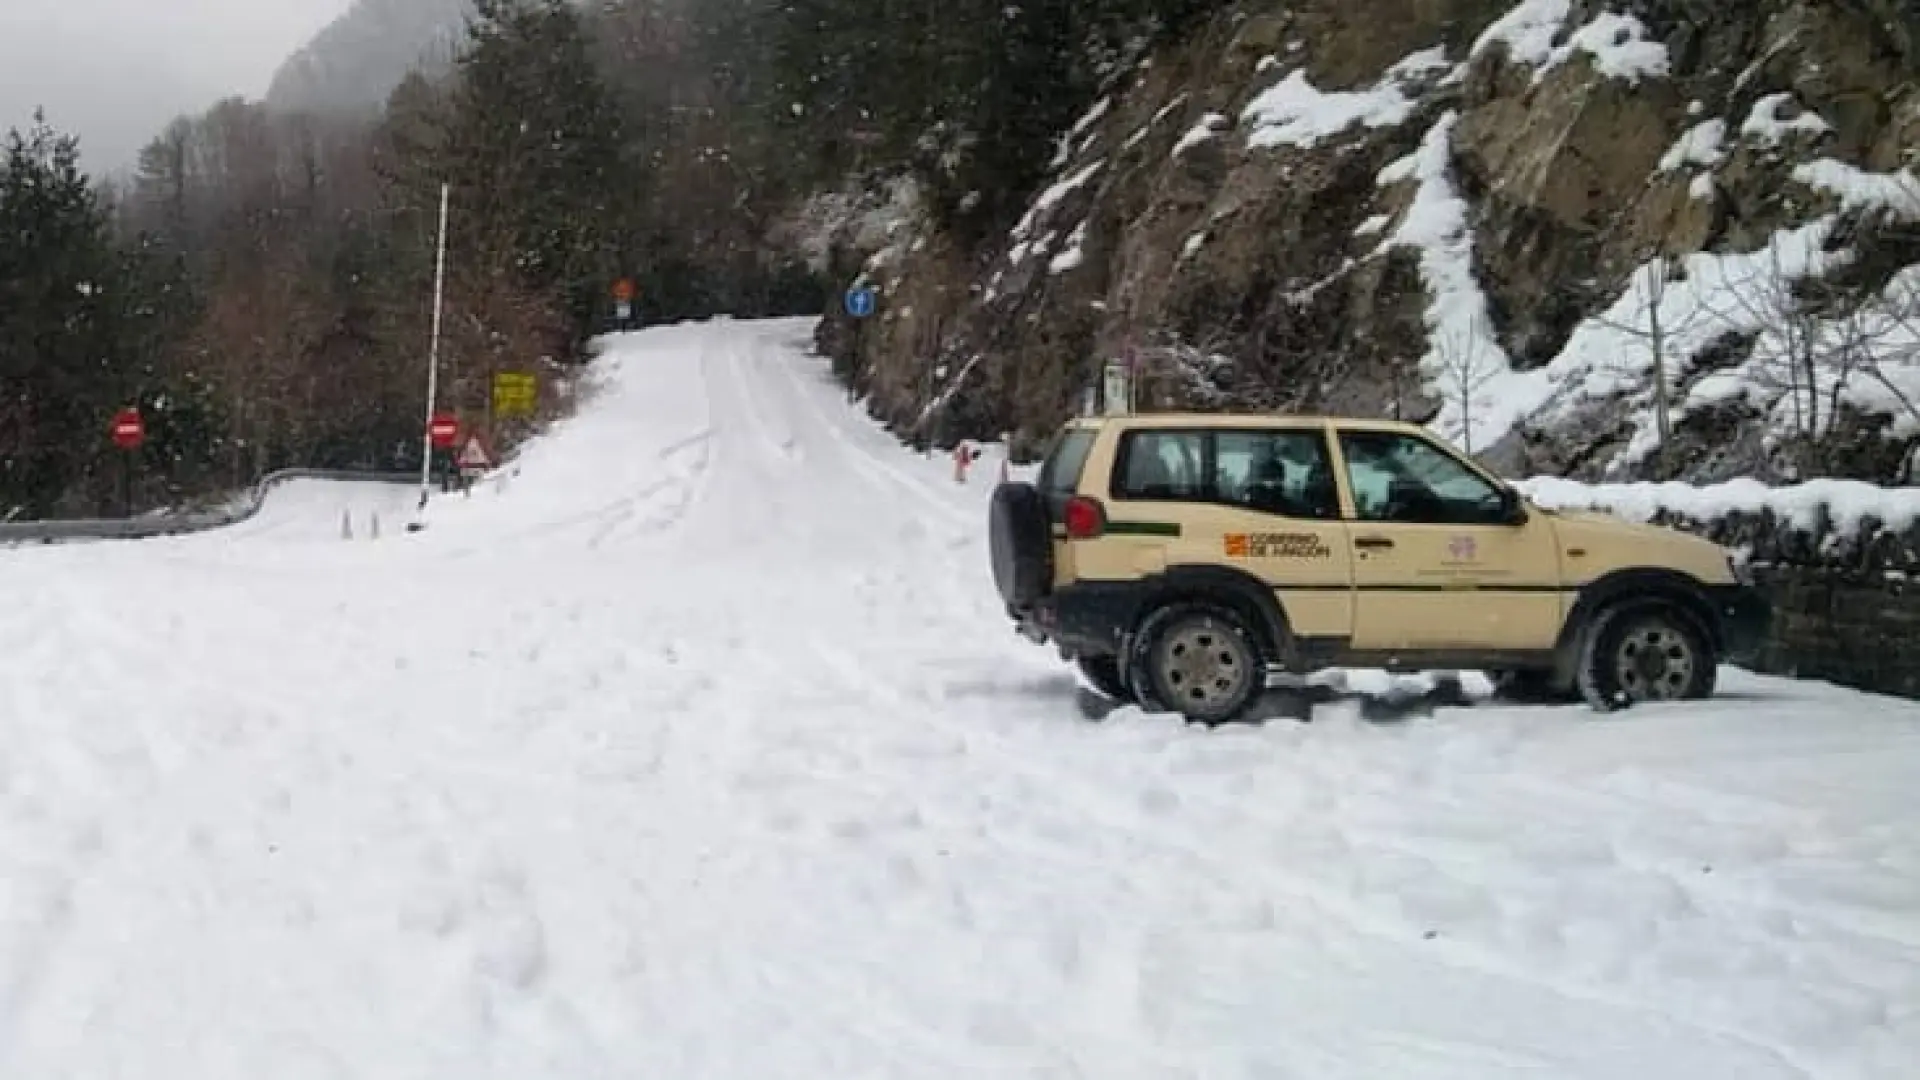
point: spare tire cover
(1021, 541)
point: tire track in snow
(1327, 904)
(867, 462)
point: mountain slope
(1458, 211)
(352, 65)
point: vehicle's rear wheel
(1198, 660)
(1645, 652)
(1020, 542)
(1103, 674)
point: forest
(260, 288)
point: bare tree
(1463, 374)
(1657, 327)
(1819, 342)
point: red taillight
(1085, 518)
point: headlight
(1738, 567)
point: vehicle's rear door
(1058, 481)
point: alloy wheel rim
(1655, 662)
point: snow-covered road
(700, 749)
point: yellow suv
(1184, 561)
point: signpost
(1119, 387)
(474, 460)
(624, 292)
(129, 429)
(433, 358)
(129, 434)
(515, 394)
(861, 301)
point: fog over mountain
(357, 60)
(113, 72)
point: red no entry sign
(445, 429)
(129, 430)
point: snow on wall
(1845, 506)
(1210, 126)
(1296, 113)
(1702, 144)
(1616, 44)
(1765, 126)
(1046, 201)
(1073, 255)
(1070, 143)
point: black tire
(1199, 660)
(1531, 686)
(1103, 674)
(1020, 540)
(1647, 651)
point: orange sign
(1237, 546)
(624, 290)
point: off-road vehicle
(1185, 562)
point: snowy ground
(699, 749)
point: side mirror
(1513, 508)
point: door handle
(1372, 542)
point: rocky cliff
(1552, 229)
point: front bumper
(1746, 620)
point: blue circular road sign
(860, 301)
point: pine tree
(61, 369)
(533, 149)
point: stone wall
(1839, 560)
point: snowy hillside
(694, 745)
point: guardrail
(157, 525)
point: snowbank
(1830, 527)
(1843, 505)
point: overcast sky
(114, 72)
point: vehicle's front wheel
(1103, 674)
(1645, 652)
(1197, 660)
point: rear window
(1060, 476)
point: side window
(1398, 477)
(1276, 472)
(1163, 465)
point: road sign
(515, 394)
(861, 301)
(1119, 388)
(625, 290)
(622, 310)
(129, 430)
(474, 456)
(445, 430)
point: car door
(1438, 563)
(1280, 521)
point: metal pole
(433, 350)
